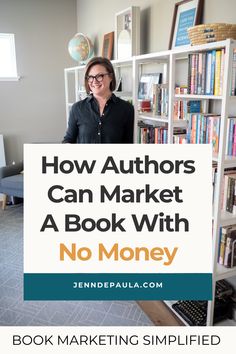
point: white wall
(95, 18)
(33, 109)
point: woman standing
(101, 118)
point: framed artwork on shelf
(127, 33)
(145, 87)
(107, 48)
(187, 13)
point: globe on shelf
(80, 48)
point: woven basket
(213, 32)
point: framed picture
(127, 33)
(107, 48)
(145, 87)
(187, 13)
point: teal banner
(120, 286)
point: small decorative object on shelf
(144, 106)
(80, 48)
(127, 33)
(187, 13)
(107, 49)
(145, 89)
(213, 32)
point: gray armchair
(11, 181)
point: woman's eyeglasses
(98, 77)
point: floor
(14, 311)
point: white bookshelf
(223, 161)
(167, 63)
(74, 86)
(170, 61)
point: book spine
(222, 65)
(207, 130)
(139, 135)
(162, 101)
(217, 73)
(211, 129)
(226, 179)
(227, 137)
(230, 194)
(189, 129)
(230, 138)
(189, 72)
(233, 81)
(215, 134)
(196, 73)
(199, 77)
(185, 110)
(222, 245)
(208, 73)
(165, 137)
(228, 248)
(198, 129)
(154, 99)
(193, 129)
(202, 141)
(203, 88)
(234, 140)
(213, 64)
(156, 135)
(218, 120)
(234, 201)
(159, 101)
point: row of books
(148, 134)
(214, 179)
(231, 137)
(160, 100)
(228, 188)
(180, 139)
(205, 72)
(229, 192)
(183, 107)
(204, 129)
(227, 246)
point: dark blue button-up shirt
(87, 126)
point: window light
(8, 70)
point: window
(8, 70)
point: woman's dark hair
(104, 62)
